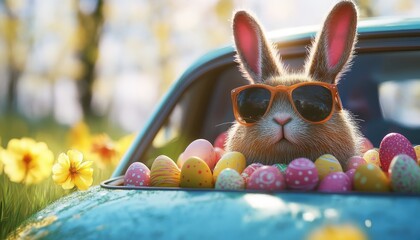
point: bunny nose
(282, 119)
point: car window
(382, 90)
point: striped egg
(327, 164)
(164, 173)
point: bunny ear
(333, 47)
(256, 56)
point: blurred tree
(15, 55)
(90, 17)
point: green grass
(18, 201)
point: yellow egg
(233, 160)
(344, 231)
(370, 178)
(164, 173)
(327, 164)
(372, 156)
(417, 150)
(195, 173)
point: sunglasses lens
(313, 102)
(252, 104)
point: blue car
(382, 89)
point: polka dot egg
(196, 174)
(355, 162)
(372, 156)
(301, 174)
(137, 174)
(392, 145)
(370, 178)
(229, 179)
(335, 182)
(327, 164)
(267, 178)
(404, 174)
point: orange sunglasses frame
(289, 90)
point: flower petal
(83, 182)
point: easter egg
(354, 162)
(366, 145)
(350, 173)
(219, 142)
(337, 231)
(370, 178)
(196, 174)
(248, 171)
(137, 174)
(218, 154)
(392, 145)
(335, 182)
(417, 150)
(327, 164)
(372, 156)
(281, 166)
(267, 178)
(234, 160)
(301, 174)
(229, 179)
(200, 148)
(404, 174)
(164, 172)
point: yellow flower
(124, 143)
(27, 161)
(71, 170)
(1, 160)
(104, 151)
(79, 136)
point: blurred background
(107, 62)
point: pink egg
(366, 145)
(392, 145)
(354, 162)
(350, 173)
(335, 182)
(220, 140)
(247, 172)
(218, 154)
(137, 174)
(301, 174)
(200, 148)
(267, 178)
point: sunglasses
(313, 101)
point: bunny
(281, 134)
